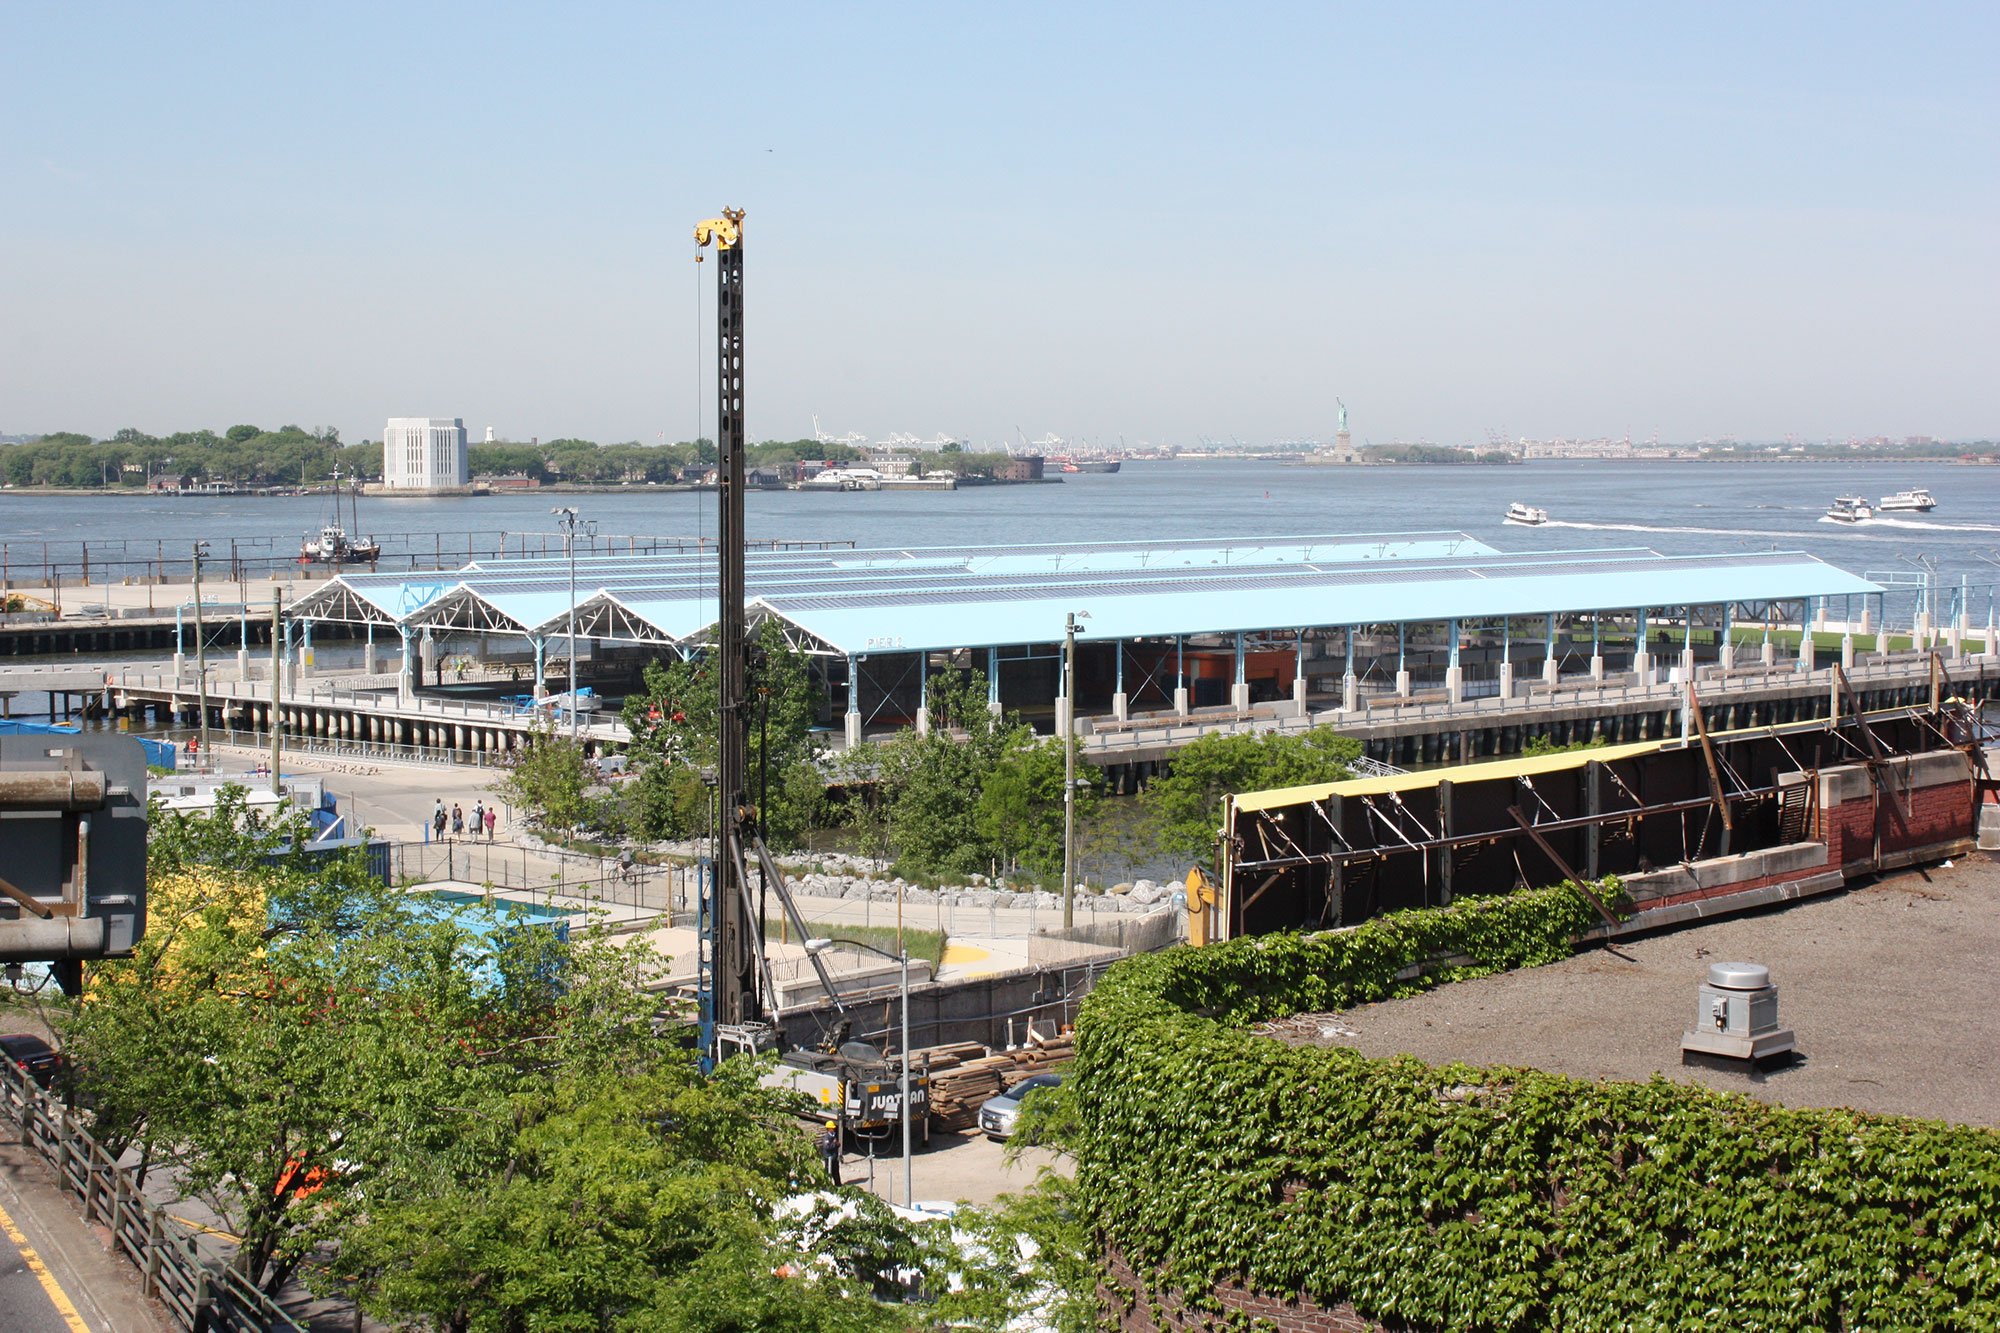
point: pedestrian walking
(478, 817)
(457, 820)
(829, 1150)
(438, 818)
(491, 820)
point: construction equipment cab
(858, 1087)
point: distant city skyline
(1465, 221)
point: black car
(32, 1056)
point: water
(1674, 508)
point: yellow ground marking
(57, 1296)
(958, 955)
(204, 1228)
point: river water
(1675, 508)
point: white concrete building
(424, 454)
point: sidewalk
(100, 1285)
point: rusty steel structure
(1340, 853)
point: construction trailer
(1706, 815)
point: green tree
(1185, 803)
(287, 1034)
(673, 721)
(647, 1202)
(239, 434)
(550, 781)
(1020, 807)
(927, 787)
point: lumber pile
(964, 1074)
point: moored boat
(333, 546)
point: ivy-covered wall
(1463, 1198)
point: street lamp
(200, 653)
(1069, 767)
(1928, 564)
(820, 945)
(566, 520)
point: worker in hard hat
(829, 1150)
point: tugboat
(1527, 516)
(1916, 500)
(1849, 509)
(333, 546)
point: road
(56, 1276)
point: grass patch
(925, 944)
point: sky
(1157, 223)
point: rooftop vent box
(1736, 1016)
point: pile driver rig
(736, 997)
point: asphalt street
(56, 1273)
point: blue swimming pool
(533, 912)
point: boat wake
(1925, 526)
(1642, 527)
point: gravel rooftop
(1889, 988)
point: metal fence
(197, 1294)
(599, 881)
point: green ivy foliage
(1496, 1199)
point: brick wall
(1129, 1301)
(1937, 814)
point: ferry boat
(843, 479)
(1527, 516)
(333, 546)
(1916, 500)
(1850, 509)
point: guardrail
(1869, 669)
(200, 1296)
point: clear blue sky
(1153, 221)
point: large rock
(1122, 887)
(1148, 895)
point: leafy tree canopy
(1185, 803)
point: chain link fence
(668, 890)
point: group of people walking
(484, 819)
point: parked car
(32, 1056)
(996, 1118)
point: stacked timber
(963, 1075)
(1041, 1057)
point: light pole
(200, 654)
(277, 687)
(1069, 767)
(1928, 564)
(902, 960)
(566, 519)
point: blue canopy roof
(960, 597)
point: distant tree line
(305, 456)
(1436, 453)
(244, 455)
